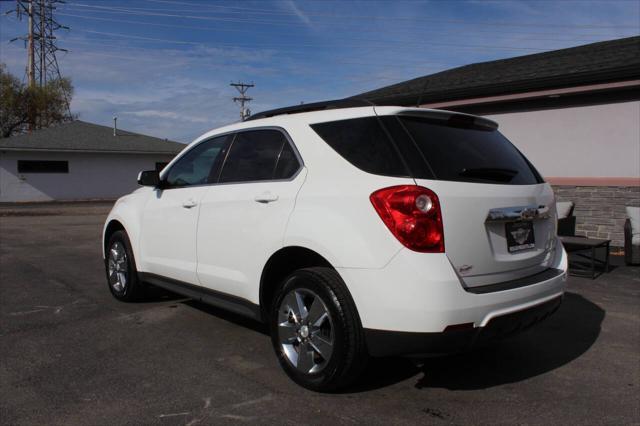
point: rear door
(243, 217)
(498, 214)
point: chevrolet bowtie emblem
(520, 235)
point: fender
(128, 211)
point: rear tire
(316, 331)
(120, 266)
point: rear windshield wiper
(488, 173)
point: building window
(161, 165)
(37, 166)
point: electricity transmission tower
(242, 89)
(42, 64)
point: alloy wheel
(118, 267)
(305, 331)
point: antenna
(242, 89)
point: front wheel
(122, 275)
(316, 331)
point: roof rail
(316, 106)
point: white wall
(91, 176)
(590, 141)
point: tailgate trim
(508, 214)
(545, 275)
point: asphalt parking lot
(71, 354)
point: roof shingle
(607, 61)
(88, 137)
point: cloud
(168, 93)
(293, 7)
(179, 91)
(176, 114)
(167, 115)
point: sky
(163, 67)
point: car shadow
(557, 341)
(229, 316)
(153, 294)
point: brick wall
(600, 210)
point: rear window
(469, 154)
(453, 150)
(364, 143)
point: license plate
(520, 236)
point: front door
(170, 218)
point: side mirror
(149, 178)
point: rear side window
(287, 163)
(364, 143)
(470, 154)
(259, 155)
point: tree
(24, 108)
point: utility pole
(42, 64)
(242, 89)
(31, 67)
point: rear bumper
(386, 343)
(421, 293)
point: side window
(199, 165)
(255, 155)
(287, 163)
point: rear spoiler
(451, 118)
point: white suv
(351, 231)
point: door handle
(187, 204)
(266, 197)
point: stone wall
(600, 210)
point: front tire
(120, 266)
(316, 331)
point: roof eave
(522, 86)
(85, 151)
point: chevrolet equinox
(351, 231)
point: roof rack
(316, 106)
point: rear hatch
(497, 212)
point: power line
(191, 27)
(419, 19)
(305, 45)
(162, 61)
(581, 37)
(407, 64)
(297, 49)
(242, 99)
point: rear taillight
(412, 214)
